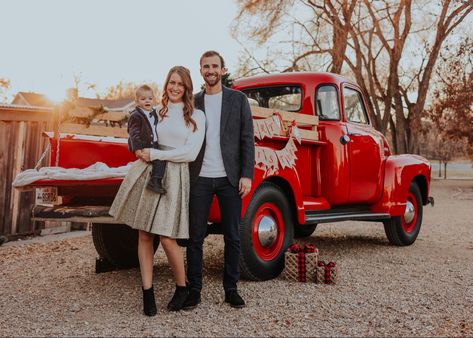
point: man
(224, 167)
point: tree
(435, 145)
(369, 40)
(126, 90)
(452, 108)
(4, 85)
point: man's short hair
(212, 53)
(142, 89)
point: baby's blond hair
(142, 89)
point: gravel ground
(49, 288)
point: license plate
(46, 196)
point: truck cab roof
(291, 78)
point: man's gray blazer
(236, 137)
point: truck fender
(288, 180)
(400, 171)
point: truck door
(365, 150)
(333, 156)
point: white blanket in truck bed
(96, 171)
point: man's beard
(213, 82)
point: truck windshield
(288, 98)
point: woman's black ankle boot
(177, 301)
(149, 304)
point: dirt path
(49, 288)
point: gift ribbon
(297, 248)
(327, 271)
(301, 251)
(309, 248)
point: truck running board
(325, 216)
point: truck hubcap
(409, 213)
(409, 219)
(268, 231)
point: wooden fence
(21, 146)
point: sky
(46, 43)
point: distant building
(31, 99)
(39, 100)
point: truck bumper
(86, 214)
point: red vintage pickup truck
(338, 168)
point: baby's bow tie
(153, 114)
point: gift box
(300, 262)
(327, 273)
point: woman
(181, 131)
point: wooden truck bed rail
(100, 125)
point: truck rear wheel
(403, 230)
(118, 243)
(266, 232)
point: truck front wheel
(118, 244)
(403, 230)
(266, 231)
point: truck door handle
(344, 139)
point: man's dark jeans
(229, 200)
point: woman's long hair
(187, 99)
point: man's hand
(138, 153)
(244, 186)
(145, 155)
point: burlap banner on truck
(270, 123)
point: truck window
(354, 108)
(288, 98)
(326, 103)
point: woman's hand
(145, 156)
